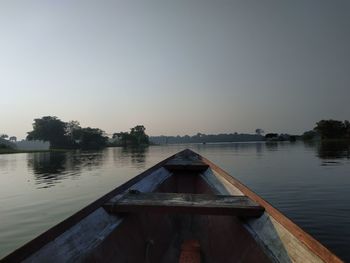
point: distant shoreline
(12, 151)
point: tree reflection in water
(333, 150)
(137, 155)
(130, 156)
(50, 168)
(272, 146)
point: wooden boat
(184, 209)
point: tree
(347, 128)
(71, 127)
(4, 136)
(90, 138)
(66, 134)
(271, 135)
(50, 129)
(309, 135)
(121, 138)
(331, 129)
(116, 135)
(72, 131)
(138, 135)
(259, 131)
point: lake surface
(310, 183)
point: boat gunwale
(309, 241)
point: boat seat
(186, 166)
(186, 163)
(181, 203)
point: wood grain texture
(186, 204)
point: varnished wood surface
(186, 204)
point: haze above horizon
(177, 67)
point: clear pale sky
(177, 67)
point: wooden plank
(186, 204)
(178, 165)
(185, 160)
(189, 165)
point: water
(310, 183)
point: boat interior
(174, 237)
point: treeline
(135, 137)
(329, 129)
(323, 130)
(206, 138)
(70, 135)
(281, 137)
(66, 135)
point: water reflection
(334, 150)
(52, 167)
(47, 167)
(272, 146)
(237, 147)
(88, 160)
(310, 144)
(259, 148)
(134, 155)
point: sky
(177, 67)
